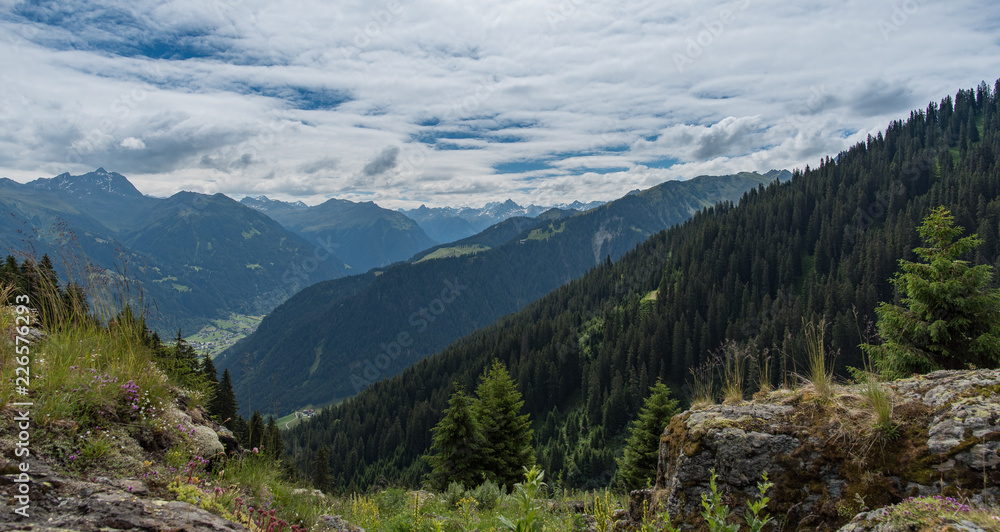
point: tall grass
(763, 364)
(733, 359)
(872, 388)
(702, 385)
(820, 376)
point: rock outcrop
(101, 497)
(827, 460)
(61, 502)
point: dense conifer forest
(820, 247)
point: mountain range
(365, 235)
(335, 338)
(448, 224)
(195, 257)
(818, 248)
(199, 257)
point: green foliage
(528, 517)
(506, 432)
(459, 444)
(603, 508)
(454, 493)
(716, 513)
(273, 444)
(637, 465)
(815, 246)
(653, 523)
(499, 281)
(486, 437)
(948, 320)
(488, 495)
(937, 513)
(754, 518)
(255, 435)
(321, 468)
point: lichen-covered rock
(60, 502)
(827, 460)
(210, 439)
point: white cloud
(132, 143)
(298, 100)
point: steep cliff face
(828, 461)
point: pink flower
(255, 450)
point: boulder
(827, 460)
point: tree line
(822, 246)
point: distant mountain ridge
(108, 197)
(336, 337)
(448, 224)
(364, 235)
(196, 257)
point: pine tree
(638, 465)
(321, 469)
(256, 433)
(224, 406)
(458, 445)
(273, 444)
(507, 432)
(211, 377)
(949, 318)
(184, 354)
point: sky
(441, 102)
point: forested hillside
(820, 246)
(315, 349)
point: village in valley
(222, 334)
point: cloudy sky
(461, 102)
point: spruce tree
(256, 433)
(321, 469)
(507, 432)
(457, 446)
(638, 464)
(224, 406)
(273, 444)
(211, 377)
(949, 318)
(185, 355)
